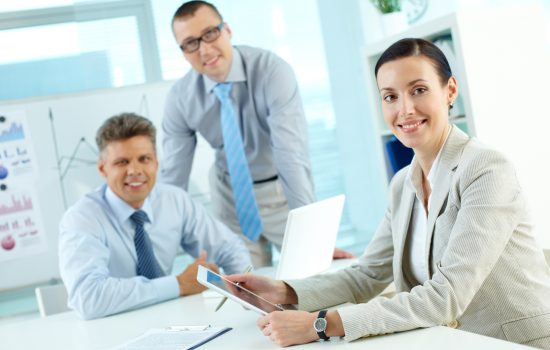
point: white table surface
(67, 331)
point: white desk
(66, 331)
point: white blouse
(417, 233)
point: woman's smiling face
(415, 102)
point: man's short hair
(189, 8)
(122, 127)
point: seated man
(118, 243)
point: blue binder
(398, 155)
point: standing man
(117, 245)
(245, 102)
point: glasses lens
(190, 46)
(211, 35)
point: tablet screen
(241, 293)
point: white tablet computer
(235, 292)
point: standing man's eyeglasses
(211, 34)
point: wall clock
(414, 9)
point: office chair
(51, 299)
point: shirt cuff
(167, 287)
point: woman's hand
(276, 292)
(289, 327)
(296, 327)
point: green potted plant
(387, 6)
(393, 19)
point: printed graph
(17, 205)
(15, 132)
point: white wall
(514, 114)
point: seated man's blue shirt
(98, 260)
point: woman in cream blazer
(456, 238)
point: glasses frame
(217, 28)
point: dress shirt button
(453, 324)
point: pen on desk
(187, 328)
(248, 269)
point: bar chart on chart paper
(20, 229)
(17, 205)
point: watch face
(320, 325)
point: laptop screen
(310, 237)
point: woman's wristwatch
(320, 325)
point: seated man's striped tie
(241, 181)
(147, 264)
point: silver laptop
(310, 237)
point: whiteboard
(76, 118)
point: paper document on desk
(173, 338)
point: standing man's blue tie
(147, 263)
(241, 181)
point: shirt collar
(236, 72)
(123, 210)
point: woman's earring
(451, 105)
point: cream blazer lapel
(448, 162)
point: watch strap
(322, 334)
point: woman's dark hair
(416, 47)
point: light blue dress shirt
(270, 117)
(98, 260)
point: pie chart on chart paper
(3, 172)
(8, 242)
